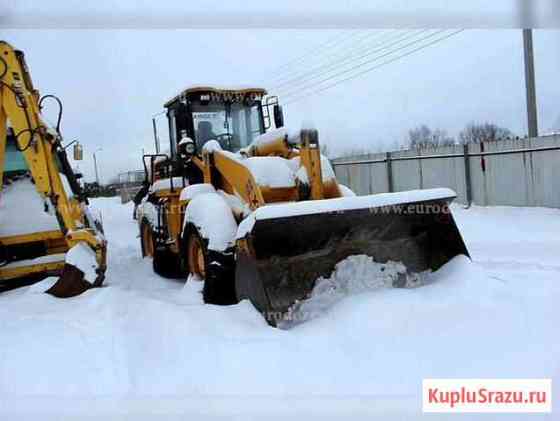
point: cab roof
(231, 90)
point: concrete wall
(523, 179)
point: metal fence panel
(406, 174)
(500, 179)
(380, 182)
(524, 178)
(546, 173)
(444, 172)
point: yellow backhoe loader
(258, 214)
(33, 160)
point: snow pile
(356, 274)
(271, 171)
(22, 210)
(190, 192)
(327, 171)
(269, 137)
(82, 257)
(212, 216)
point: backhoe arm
(41, 147)
(38, 143)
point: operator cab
(231, 116)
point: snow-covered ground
(144, 347)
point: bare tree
(419, 136)
(483, 132)
(440, 138)
(424, 137)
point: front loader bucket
(291, 245)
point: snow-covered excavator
(257, 213)
(46, 228)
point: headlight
(189, 148)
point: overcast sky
(112, 81)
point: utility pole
(532, 122)
(156, 138)
(95, 165)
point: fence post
(468, 181)
(389, 164)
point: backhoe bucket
(70, 283)
(289, 246)
(72, 280)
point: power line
(322, 70)
(336, 39)
(374, 59)
(312, 49)
(377, 66)
(440, 39)
(342, 53)
(316, 54)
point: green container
(15, 162)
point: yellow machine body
(275, 256)
(45, 158)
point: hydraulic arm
(55, 181)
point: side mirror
(78, 152)
(278, 116)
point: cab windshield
(233, 125)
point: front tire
(167, 264)
(215, 267)
(146, 238)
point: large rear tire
(216, 268)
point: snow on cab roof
(218, 89)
